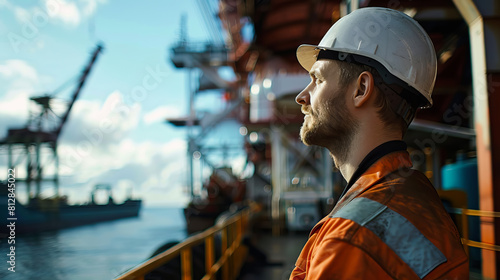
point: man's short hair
(351, 71)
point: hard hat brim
(306, 55)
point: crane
(39, 132)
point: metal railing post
(209, 255)
(186, 263)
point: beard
(331, 125)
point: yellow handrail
(465, 228)
(232, 257)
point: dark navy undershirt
(372, 157)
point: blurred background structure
(212, 121)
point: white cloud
(18, 79)
(67, 12)
(13, 113)
(70, 13)
(101, 124)
(159, 114)
(15, 68)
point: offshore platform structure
(42, 133)
(203, 60)
(286, 174)
(207, 57)
(297, 181)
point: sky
(116, 132)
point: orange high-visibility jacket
(391, 224)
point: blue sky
(132, 88)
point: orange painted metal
(486, 202)
(486, 134)
(490, 194)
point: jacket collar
(384, 165)
(372, 157)
(380, 169)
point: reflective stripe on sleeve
(396, 232)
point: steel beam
(484, 132)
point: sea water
(98, 251)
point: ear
(364, 89)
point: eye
(317, 80)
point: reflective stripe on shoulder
(396, 232)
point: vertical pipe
(483, 142)
(474, 19)
(494, 86)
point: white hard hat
(386, 38)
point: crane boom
(81, 83)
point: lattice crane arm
(81, 82)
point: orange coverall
(391, 224)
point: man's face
(327, 122)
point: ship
(56, 213)
(35, 146)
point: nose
(303, 97)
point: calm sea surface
(99, 251)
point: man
(369, 73)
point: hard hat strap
(403, 98)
